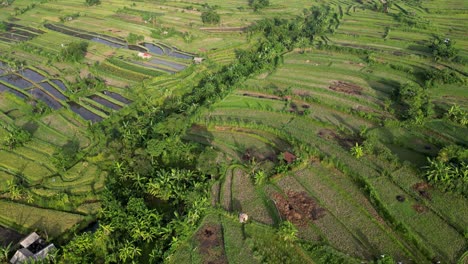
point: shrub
(258, 4)
(457, 115)
(74, 51)
(445, 76)
(3, 26)
(210, 17)
(412, 20)
(415, 102)
(443, 48)
(134, 38)
(16, 137)
(93, 2)
(163, 32)
(449, 170)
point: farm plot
(31, 218)
(441, 240)
(18, 33)
(246, 200)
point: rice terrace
(241, 131)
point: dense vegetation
(74, 51)
(339, 128)
(210, 16)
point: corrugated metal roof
(21, 256)
(29, 240)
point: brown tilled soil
(345, 87)
(419, 208)
(422, 188)
(211, 244)
(345, 142)
(298, 207)
(260, 95)
(251, 154)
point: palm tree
(4, 251)
(288, 232)
(129, 251)
(357, 151)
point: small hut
(289, 157)
(33, 247)
(197, 60)
(243, 218)
(144, 55)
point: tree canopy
(210, 16)
(93, 2)
(258, 4)
(74, 51)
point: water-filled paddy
(85, 113)
(49, 88)
(4, 88)
(108, 43)
(41, 95)
(105, 102)
(32, 75)
(60, 84)
(154, 49)
(171, 64)
(16, 80)
(180, 55)
(117, 97)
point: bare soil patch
(343, 141)
(252, 153)
(260, 95)
(345, 87)
(211, 244)
(298, 207)
(423, 189)
(130, 18)
(419, 208)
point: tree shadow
(236, 205)
(71, 147)
(31, 127)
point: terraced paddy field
(322, 102)
(328, 148)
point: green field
(324, 139)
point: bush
(210, 17)
(412, 20)
(163, 32)
(457, 115)
(445, 76)
(93, 2)
(3, 26)
(16, 137)
(449, 170)
(415, 102)
(258, 4)
(134, 38)
(443, 48)
(74, 51)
